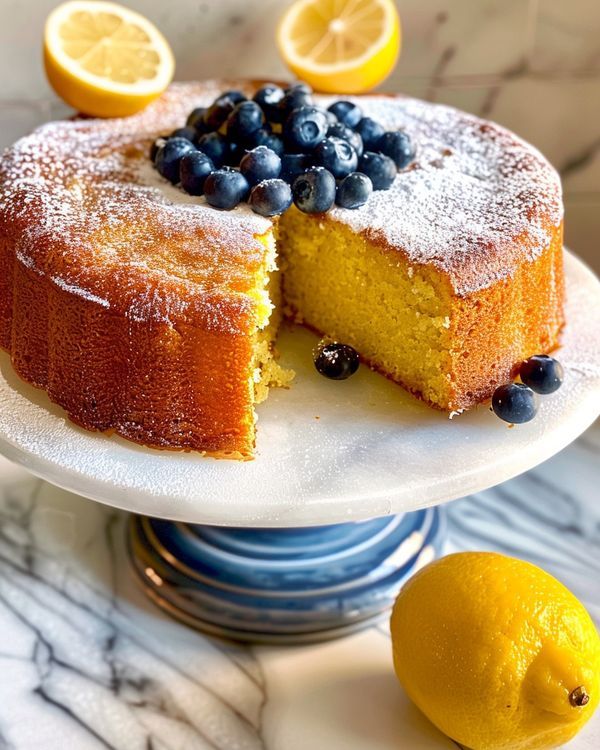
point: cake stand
(314, 537)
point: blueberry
(397, 145)
(195, 116)
(235, 96)
(293, 165)
(259, 136)
(347, 113)
(236, 152)
(380, 168)
(354, 190)
(187, 132)
(194, 168)
(268, 97)
(216, 147)
(168, 157)
(156, 144)
(270, 197)
(218, 112)
(332, 119)
(371, 133)
(304, 128)
(314, 190)
(264, 137)
(225, 188)
(337, 361)
(515, 403)
(275, 143)
(260, 164)
(543, 374)
(291, 101)
(337, 156)
(201, 129)
(299, 86)
(345, 133)
(245, 120)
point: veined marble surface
(86, 662)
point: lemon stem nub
(579, 697)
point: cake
(145, 312)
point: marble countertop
(87, 662)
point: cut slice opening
(348, 288)
(405, 320)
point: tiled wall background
(533, 65)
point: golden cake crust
(132, 305)
(132, 313)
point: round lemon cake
(144, 311)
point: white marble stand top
(327, 452)
(88, 663)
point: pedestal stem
(282, 585)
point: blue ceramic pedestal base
(282, 585)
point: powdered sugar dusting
(476, 201)
(77, 208)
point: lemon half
(340, 46)
(105, 60)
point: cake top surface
(475, 203)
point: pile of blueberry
(517, 402)
(280, 147)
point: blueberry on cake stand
(313, 538)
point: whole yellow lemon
(496, 652)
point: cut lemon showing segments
(105, 60)
(340, 46)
